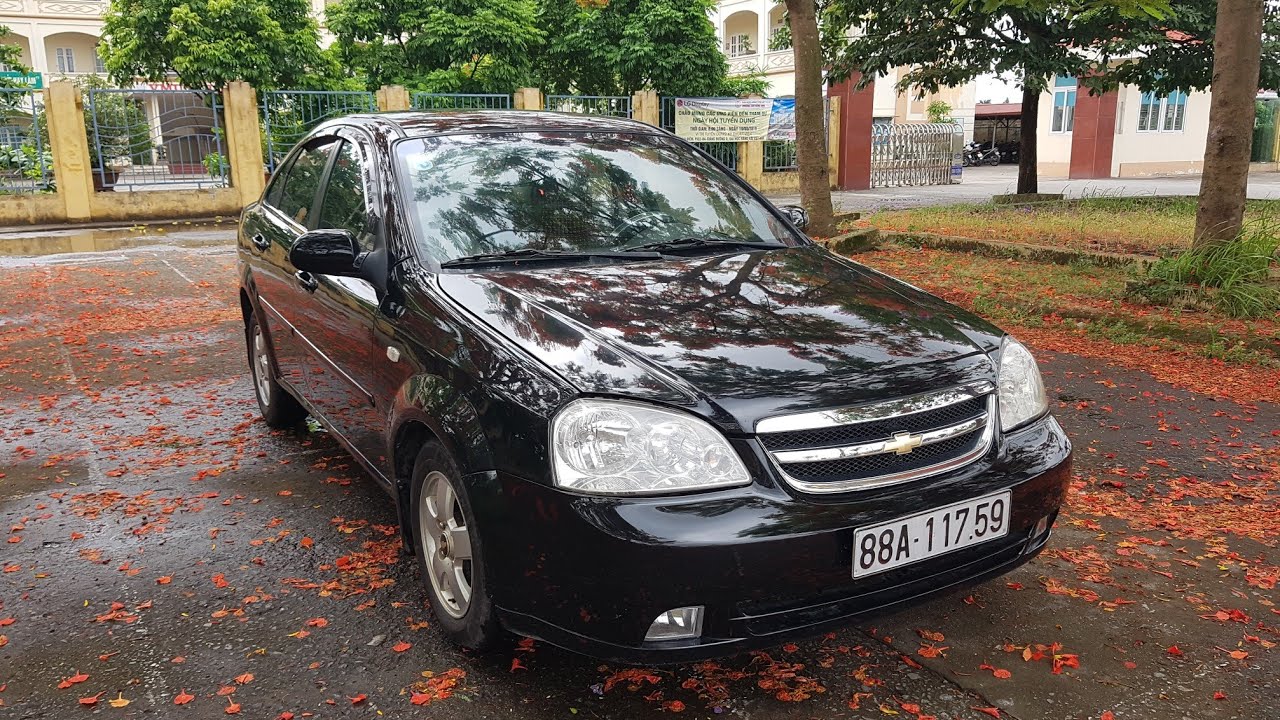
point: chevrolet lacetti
(620, 401)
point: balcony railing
(768, 62)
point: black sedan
(620, 401)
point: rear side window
(343, 206)
(302, 180)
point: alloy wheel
(446, 544)
(261, 367)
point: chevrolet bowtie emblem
(903, 443)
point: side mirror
(327, 252)
(798, 215)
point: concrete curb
(1016, 250)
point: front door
(338, 324)
(284, 214)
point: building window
(1162, 114)
(1064, 105)
(66, 60)
(739, 45)
(99, 67)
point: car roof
(445, 122)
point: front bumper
(590, 574)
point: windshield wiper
(536, 254)
(697, 242)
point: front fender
(437, 404)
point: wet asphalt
(158, 538)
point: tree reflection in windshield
(575, 192)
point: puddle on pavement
(85, 240)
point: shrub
(1233, 277)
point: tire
(453, 574)
(994, 161)
(278, 407)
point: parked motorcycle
(978, 154)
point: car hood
(735, 336)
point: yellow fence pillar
(244, 140)
(528, 99)
(393, 98)
(751, 162)
(833, 139)
(69, 143)
(645, 108)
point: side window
(302, 180)
(344, 206)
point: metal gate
(914, 154)
(612, 105)
(287, 115)
(459, 101)
(147, 137)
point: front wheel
(450, 556)
(995, 160)
(278, 407)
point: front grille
(881, 443)
(877, 429)
(873, 466)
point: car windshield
(573, 193)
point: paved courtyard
(164, 547)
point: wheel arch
(428, 408)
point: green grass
(1146, 225)
(1231, 277)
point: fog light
(679, 624)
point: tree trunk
(1028, 181)
(811, 140)
(1237, 45)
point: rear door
(287, 211)
(338, 324)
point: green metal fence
(459, 101)
(26, 165)
(288, 115)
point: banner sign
(734, 120)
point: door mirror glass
(798, 215)
(327, 252)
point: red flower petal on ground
(182, 698)
(401, 646)
(993, 712)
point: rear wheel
(450, 557)
(278, 407)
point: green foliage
(11, 56)
(208, 43)
(1177, 52)
(438, 45)
(753, 83)
(617, 47)
(216, 166)
(939, 112)
(1232, 277)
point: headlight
(1022, 397)
(607, 447)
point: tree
(1223, 185)
(438, 45)
(614, 47)
(208, 43)
(10, 57)
(811, 141)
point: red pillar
(1093, 135)
(857, 109)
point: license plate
(929, 534)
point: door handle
(261, 242)
(307, 280)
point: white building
(747, 28)
(1124, 133)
